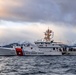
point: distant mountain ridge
(18, 44)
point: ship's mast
(48, 34)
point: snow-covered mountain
(18, 44)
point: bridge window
(42, 43)
(47, 42)
(36, 42)
(60, 49)
(56, 48)
(70, 49)
(53, 48)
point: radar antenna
(48, 35)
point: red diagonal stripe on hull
(19, 52)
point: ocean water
(38, 65)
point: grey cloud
(43, 11)
(11, 35)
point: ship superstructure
(48, 46)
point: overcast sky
(27, 20)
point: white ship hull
(27, 51)
(7, 51)
(12, 52)
(42, 53)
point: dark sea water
(38, 65)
